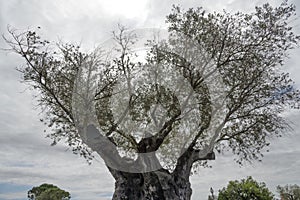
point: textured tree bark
(132, 183)
(156, 185)
(159, 184)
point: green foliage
(48, 192)
(247, 50)
(289, 192)
(246, 189)
(231, 61)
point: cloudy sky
(26, 157)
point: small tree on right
(246, 189)
(289, 192)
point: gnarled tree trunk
(156, 185)
(145, 184)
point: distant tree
(246, 189)
(232, 89)
(48, 192)
(289, 192)
(212, 196)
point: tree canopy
(222, 70)
(289, 192)
(48, 192)
(246, 189)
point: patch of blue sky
(8, 188)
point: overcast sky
(26, 157)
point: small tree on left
(48, 192)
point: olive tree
(216, 83)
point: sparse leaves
(232, 63)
